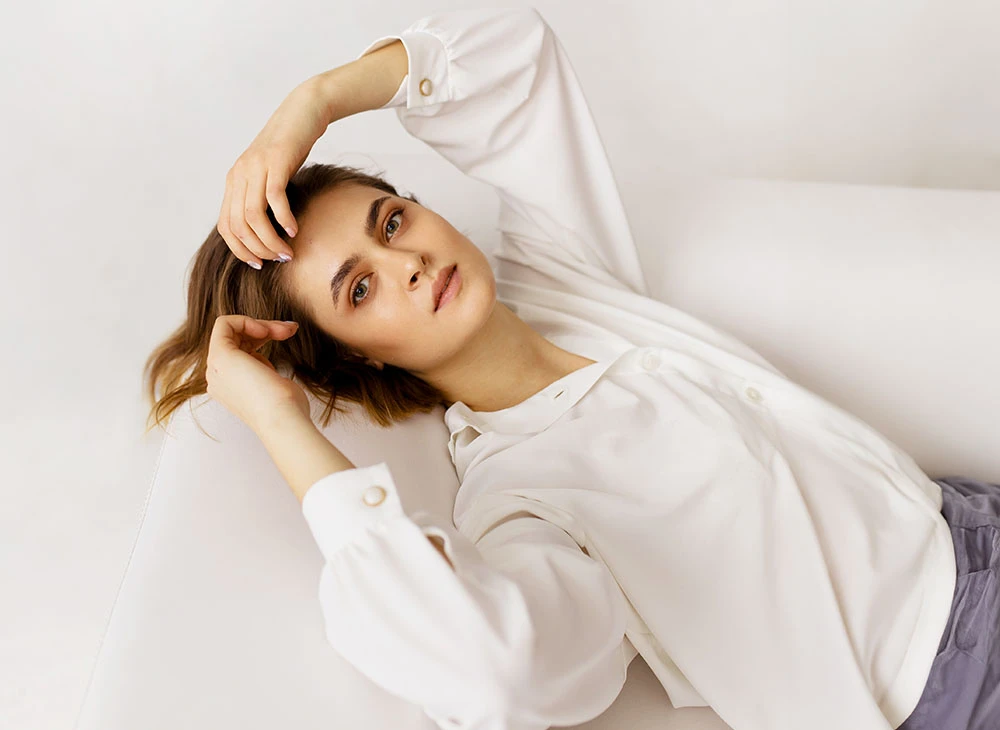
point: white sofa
(883, 300)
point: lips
(441, 283)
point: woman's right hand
(243, 380)
(262, 172)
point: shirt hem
(903, 695)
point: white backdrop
(121, 120)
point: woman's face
(384, 304)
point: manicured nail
(290, 231)
(254, 264)
(284, 257)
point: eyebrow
(354, 259)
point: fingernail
(284, 257)
(290, 231)
(254, 264)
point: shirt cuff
(427, 80)
(342, 505)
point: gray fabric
(963, 690)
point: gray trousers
(963, 690)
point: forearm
(301, 452)
(363, 84)
(304, 455)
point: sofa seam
(121, 582)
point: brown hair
(222, 284)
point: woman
(633, 480)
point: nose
(417, 268)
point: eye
(388, 221)
(390, 232)
(354, 303)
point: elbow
(542, 691)
(529, 702)
(498, 702)
(504, 692)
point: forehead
(331, 228)
(341, 210)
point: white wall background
(121, 119)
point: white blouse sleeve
(525, 633)
(493, 91)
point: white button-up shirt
(767, 553)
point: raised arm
(493, 92)
(366, 83)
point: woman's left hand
(242, 379)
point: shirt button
(754, 394)
(651, 361)
(426, 86)
(374, 496)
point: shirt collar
(534, 414)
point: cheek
(389, 333)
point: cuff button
(426, 86)
(374, 496)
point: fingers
(229, 202)
(248, 333)
(243, 221)
(238, 331)
(238, 223)
(278, 200)
(256, 216)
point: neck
(506, 363)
